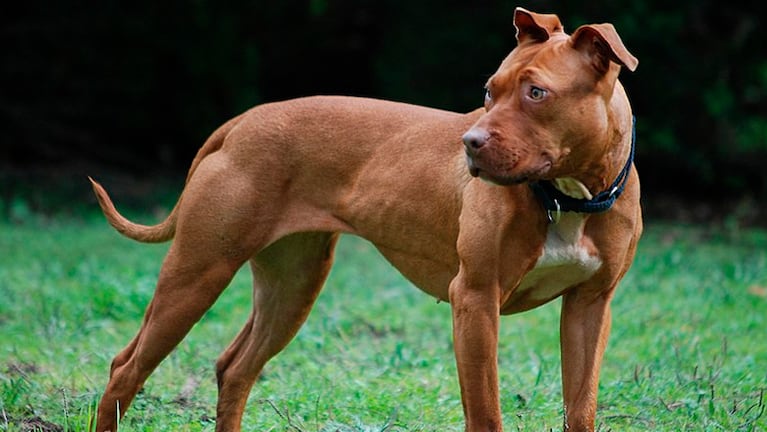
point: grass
(688, 351)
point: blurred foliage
(139, 85)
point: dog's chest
(568, 258)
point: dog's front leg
(475, 333)
(584, 328)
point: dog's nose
(475, 139)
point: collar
(555, 202)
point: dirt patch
(36, 424)
(186, 394)
(22, 369)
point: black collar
(554, 201)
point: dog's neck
(571, 195)
(603, 175)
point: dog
(530, 198)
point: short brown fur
(276, 185)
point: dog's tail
(166, 229)
(159, 233)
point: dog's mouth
(500, 181)
(533, 174)
(473, 169)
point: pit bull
(532, 197)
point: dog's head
(549, 107)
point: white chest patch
(566, 260)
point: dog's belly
(568, 258)
(428, 273)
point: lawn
(688, 350)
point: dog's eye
(488, 96)
(537, 93)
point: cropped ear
(603, 44)
(535, 27)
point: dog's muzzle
(473, 141)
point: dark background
(101, 88)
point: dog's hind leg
(287, 277)
(216, 233)
(186, 288)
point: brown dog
(277, 184)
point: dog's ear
(602, 43)
(535, 27)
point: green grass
(688, 351)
